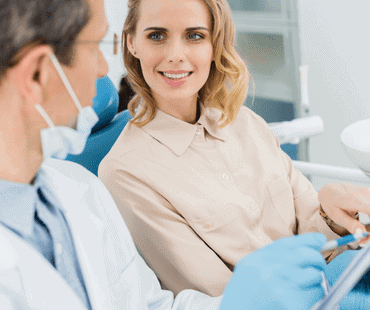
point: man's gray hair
(51, 22)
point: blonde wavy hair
(227, 84)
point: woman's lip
(175, 72)
(177, 82)
(161, 73)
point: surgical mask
(59, 141)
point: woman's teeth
(176, 76)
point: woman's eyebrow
(166, 30)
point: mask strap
(44, 115)
(65, 81)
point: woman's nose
(177, 50)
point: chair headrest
(106, 102)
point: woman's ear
(131, 46)
(32, 73)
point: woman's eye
(155, 36)
(196, 36)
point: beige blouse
(197, 198)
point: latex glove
(359, 297)
(341, 201)
(285, 274)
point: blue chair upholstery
(105, 103)
(106, 131)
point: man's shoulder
(67, 178)
(67, 169)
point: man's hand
(285, 274)
(341, 201)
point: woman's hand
(341, 201)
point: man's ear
(32, 73)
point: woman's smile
(175, 80)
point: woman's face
(173, 38)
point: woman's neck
(186, 110)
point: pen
(333, 244)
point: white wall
(116, 11)
(335, 44)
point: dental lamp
(356, 141)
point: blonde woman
(199, 179)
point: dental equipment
(299, 128)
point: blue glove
(359, 297)
(285, 274)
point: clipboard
(353, 273)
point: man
(63, 244)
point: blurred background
(276, 37)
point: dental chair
(108, 128)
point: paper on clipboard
(355, 270)
(327, 288)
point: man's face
(88, 65)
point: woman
(199, 179)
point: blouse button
(253, 207)
(208, 225)
(225, 177)
(199, 131)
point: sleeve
(307, 205)
(179, 257)
(306, 202)
(156, 298)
